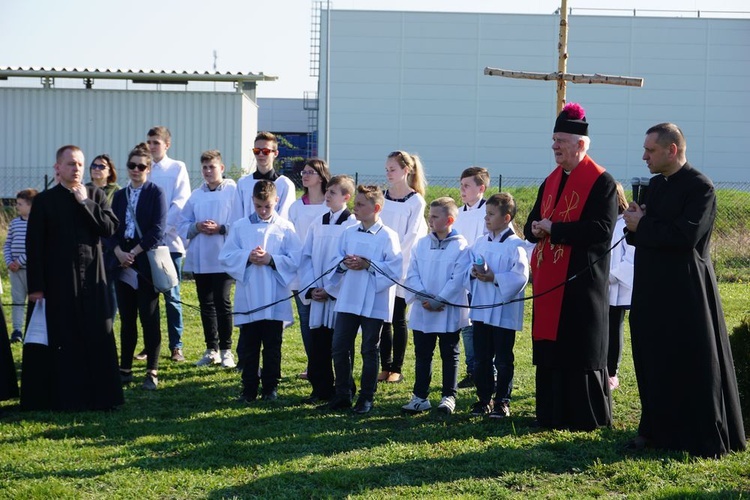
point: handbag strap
(132, 213)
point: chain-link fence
(731, 238)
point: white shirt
(470, 221)
(203, 250)
(172, 177)
(243, 200)
(439, 268)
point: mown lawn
(190, 439)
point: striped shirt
(15, 243)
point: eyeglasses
(309, 172)
(139, 166)
(265, 151)
(98, 166)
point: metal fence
(731, 238)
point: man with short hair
(266, 150)
(172, 177)
(681, 352)
(77, 369)
(572, 223)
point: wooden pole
(562, 61)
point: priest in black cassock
(572, 223)
(77, 370)
(681, 352)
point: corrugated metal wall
(414, 81)
(35, 122)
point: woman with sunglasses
(141, 208)
(104, 176)
(311, 206)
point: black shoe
(363, 406)
(500, 410)
(467, 382)
(151, 382)
(246, 398)
(126, 377)
(16, 337)
(638, 443)
(141, 355)
(481, 409)
(338, 403)
(312, 399)
(270, 396)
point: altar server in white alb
(403, 211)
(205, 223)
(262, 253)
(439, 263)
(266, 150)
(364, 296)
(319, 251)
(499, 273)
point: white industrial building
(106, 111)
(414, 81)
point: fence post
(500, 183)
(356, 178)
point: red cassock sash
(549, 262)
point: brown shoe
(383, 376)
(141, 355)
(177, 354)
(394, 378)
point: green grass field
(190, 439)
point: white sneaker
(416, 405)
(447, 405)
(210, 357)
(227, 358)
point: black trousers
(493, 346)
(214, 294)
(143, 303)
(320, 363)
(424, 349)
(616, 338)
(267, 334)
(394, 338)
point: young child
(364, 296)
(205, 222)
(319, 250)
(262, 253)
(500, 273)
(470, 224)
(437, 269)
(15, 258)
(620, 290)
(403, 211)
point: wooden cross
(562, 76)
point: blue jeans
(303, 310)
(493, 342)
(174, 308)
(424, 348)
(343, 340)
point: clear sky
(271, 36)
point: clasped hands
(208, 227)
(633, 216)
(356, 263)
(259, 257)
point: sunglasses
(139, 166)
(265, 151)
(98, 166)
(308, 172)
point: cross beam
(562, 76)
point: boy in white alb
(470, 224)
(364, 296)
(262, 253)
(502, 277)
(439, 263)
(204, 223)
(266, 150)
(319, 250)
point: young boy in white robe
(364, 296)
(499, 273)
(204, 222)
(439, 262)
(262, 253)
(318, 253)
(474, 183)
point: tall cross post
(562, 76)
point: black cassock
(78, 370)
(572, 387)
(8, 381)
(681, 351)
